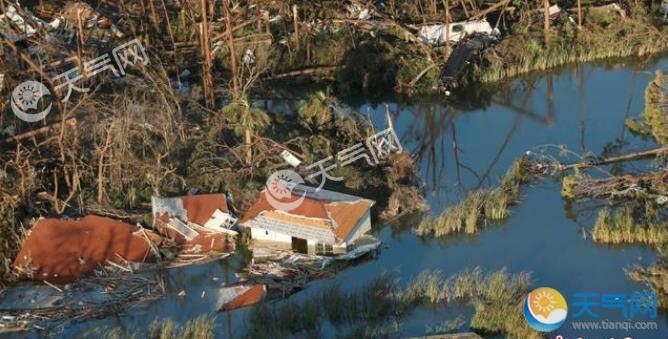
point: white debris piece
(172, 207)
(183, 229)
(290, 158)
(436, 34)
(356, 11)
(26, 27)
(249, 57)
(219, 220)
(552, 10)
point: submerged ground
(582, 107)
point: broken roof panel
(197, 209)
(63, 250)
(238, 296)
(194, 211)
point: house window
(266, 232)
(324, 249)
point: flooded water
(582, 107)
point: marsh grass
(603, 36)
(654, 118)
(481, 206)
(655, 277)
(624, 226)
(202, 327)
(365, 312)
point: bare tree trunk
(463, 3)
(207, 77)
(154, 16)
(233, 52)
(579, 14)
(624, 157)
(248, 140)
(295, 17)
(546, 16)
(447, 29)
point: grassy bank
(654, 119)
(605, 34)
(202, 327)
(630, 225)
(496, 297)
(481, 206)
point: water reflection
(464, 142)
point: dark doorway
(299, 245)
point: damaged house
(323, 222)
(197, 223)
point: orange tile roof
(345, 214)
(311, 208)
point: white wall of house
(266, 235)
(362, 227)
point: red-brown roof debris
(246, 295)
(64, 250)
(199, 209)
(206, 241)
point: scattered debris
(462, 55)
(436, 34)
(197, 223)
(27, 25)
(40, 307)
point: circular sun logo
(279, 192)
(545, 309)
(544, 302)
(25, 97)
